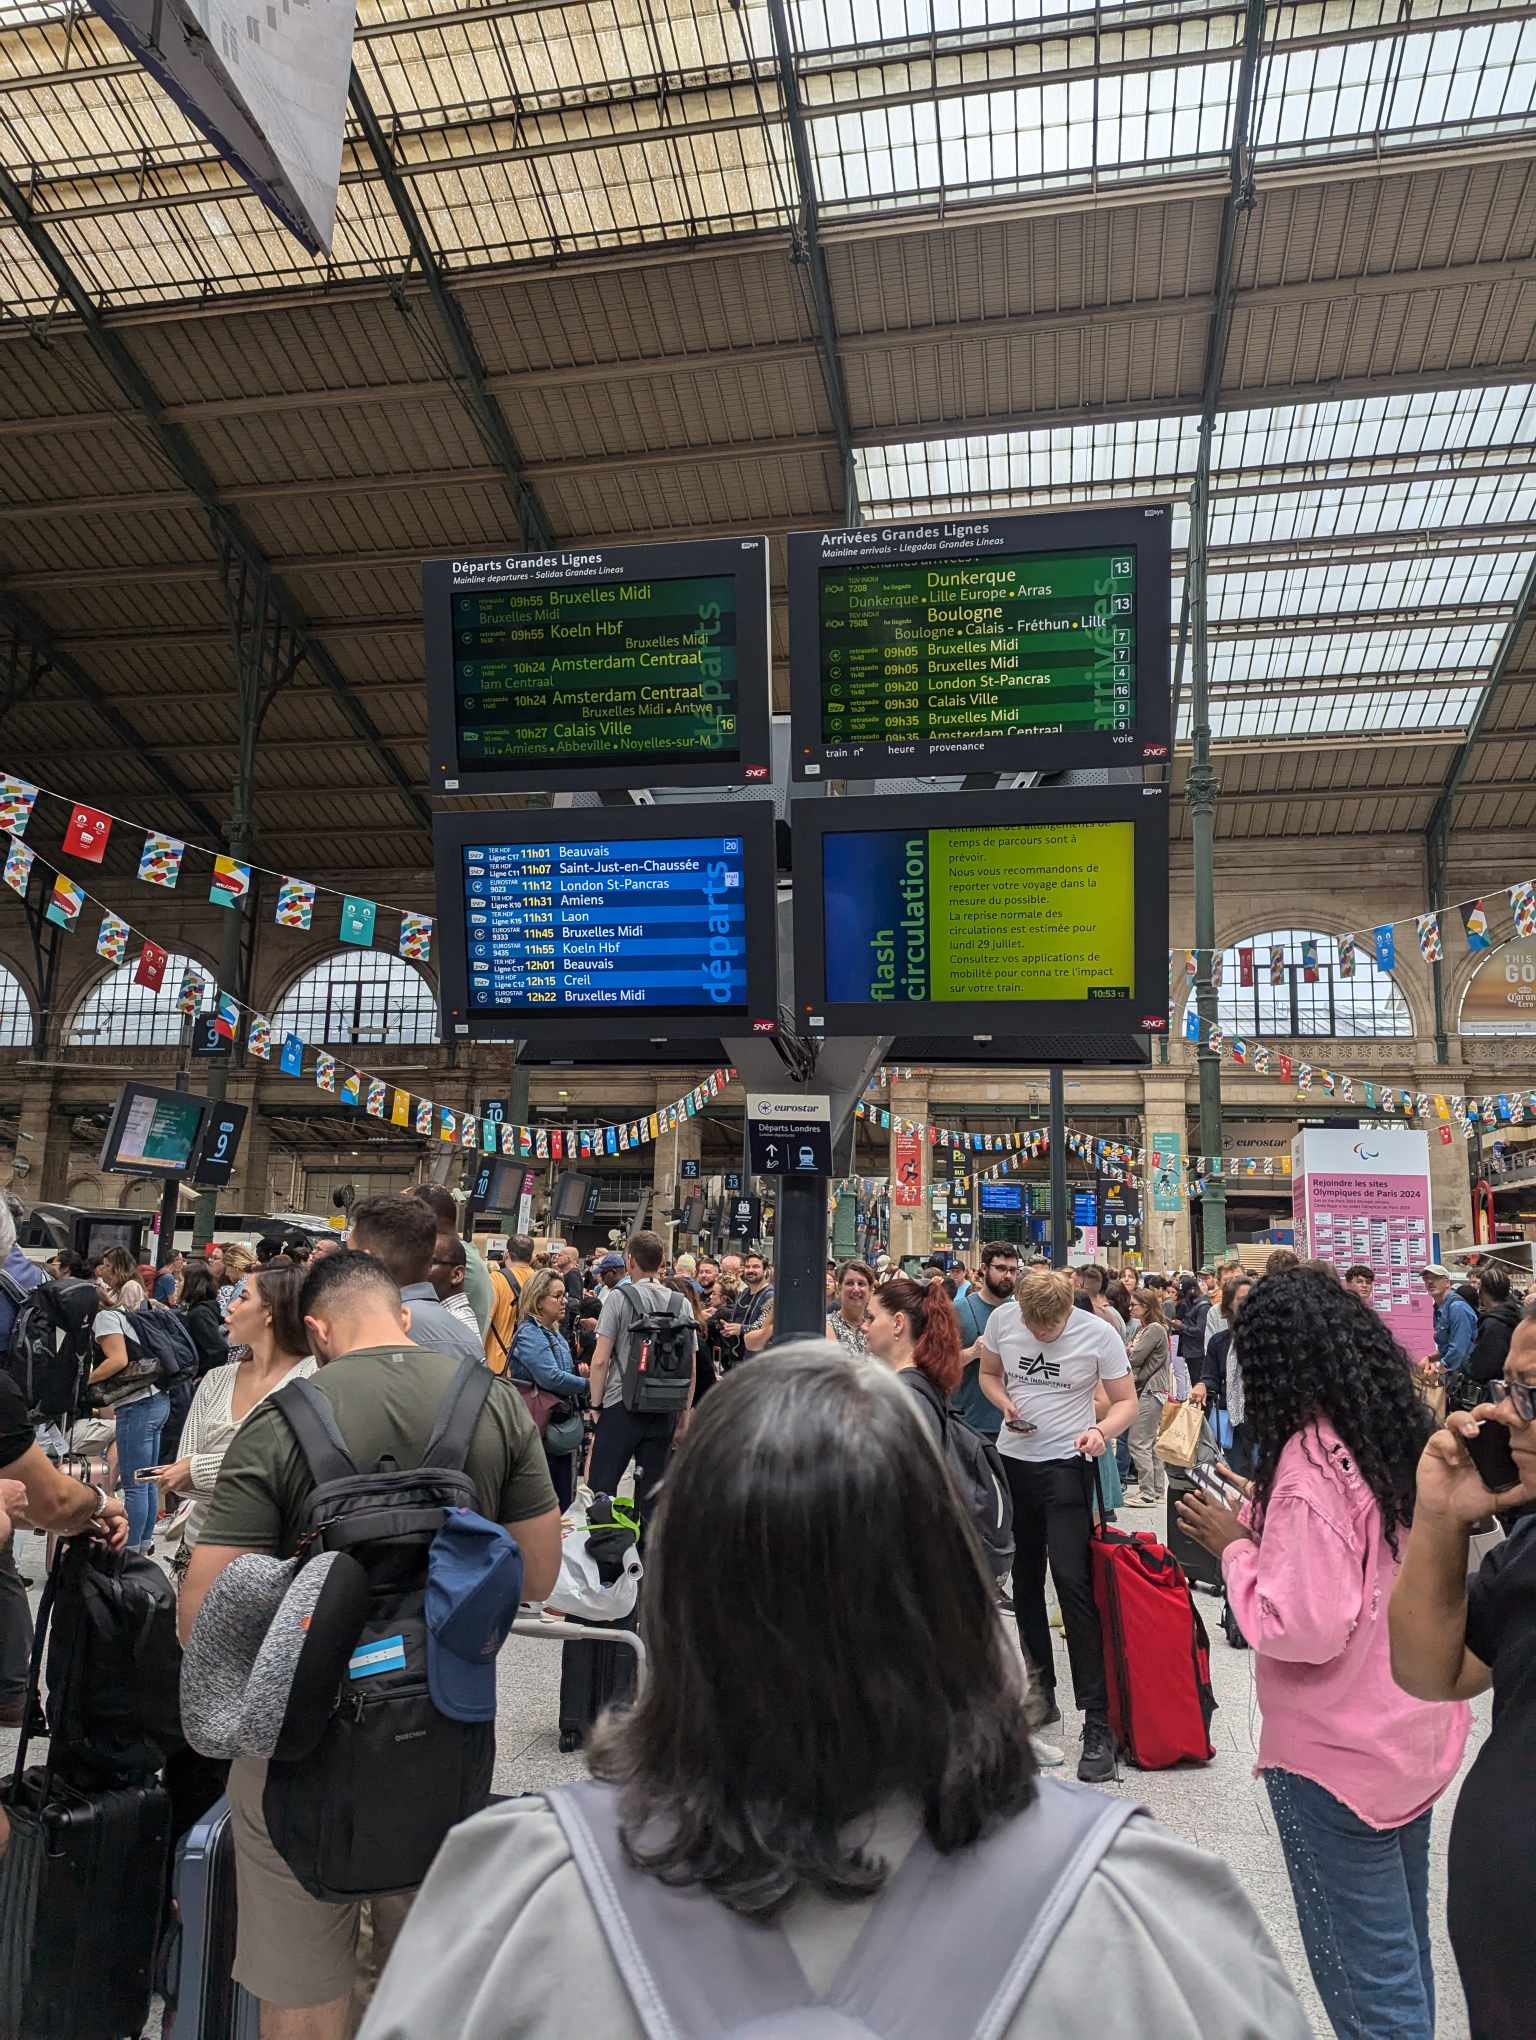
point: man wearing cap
(610, 1271)
(296, 1953)
(1455, 1321)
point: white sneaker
(1047, 1756)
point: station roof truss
(615, 269)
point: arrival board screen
(153, 1131)
(970, 916)
(646, 923)
(646, 661)
(981, 645)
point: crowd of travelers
(836, 1733)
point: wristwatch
(102, 1499)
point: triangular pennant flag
(226, 1017)
(357, 919)
(258, 1037)
(150, 969)
(325, 1071)
(295, 904)
(18, 797)
(18, 867)
(112, 939)
(230, 883)
(65, 901)
(160, 859)
(1474, 920)
(87, 834)
(416, 937)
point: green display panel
(602, 669)
(998, 644)
(921, 654)
(552, 673)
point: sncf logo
(1040, 1369)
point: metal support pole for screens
(1061, 1231)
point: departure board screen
(641, 663)
(643, 918)
(968, 907)
(989, 645)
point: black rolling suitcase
(594, 1676)
(1201, 1567)
(203, 2000)
(82, 1888)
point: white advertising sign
(1361, 1198)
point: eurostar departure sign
(630, 666)
(1005, 644)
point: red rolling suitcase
(1157, 1656)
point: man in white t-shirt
(1041, 1361)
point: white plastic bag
(579, 1591)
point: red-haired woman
(914, 1327)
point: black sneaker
(1097, 1765)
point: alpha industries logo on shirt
(1040, 1369)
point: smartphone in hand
(1489, 1451)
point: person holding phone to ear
(1352, 1764)
(1453, 1638)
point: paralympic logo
(1367, 1154)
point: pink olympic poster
(1361, 1198)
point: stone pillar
(1166, 1235)
(42, 1143)
(1450, 1179)
(911, 1224)
(667, 1155)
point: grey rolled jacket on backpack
(505, 1943)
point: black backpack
(655, 1352)
(114, 1666)
(978, 1475)
(165, 1340)
(366, 1810)
(51, 1353)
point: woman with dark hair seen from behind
(837, 1697)
(1353, 1765)
(1497, 1318)
(200, 1307)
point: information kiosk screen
(153, 1132)
(643, 922)
(631, 666)
(984, 913)
(1000, 644)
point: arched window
(1312, 996)
(15, 1011)
(121, 1014)
(1501, 996)
(357, 997)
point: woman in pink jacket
(1353, 1765)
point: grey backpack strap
(694, 1969)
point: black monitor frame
(1146, 1012)
(752, 820)
(1146, 528)
(746, 559)
(112, 1161)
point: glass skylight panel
(1334, 587)
(1452, 503)
(1444, 651)
(1256, 715)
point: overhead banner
(267, 86)
(1501, 999)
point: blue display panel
(655, 923)
(612, 924)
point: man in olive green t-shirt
(293, 1952)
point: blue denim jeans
(1362, 1898)
(139, 1425)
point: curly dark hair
(1309, 1348)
